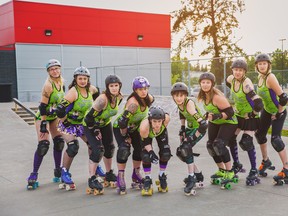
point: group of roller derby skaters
(83, 112)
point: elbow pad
(146, 141)
(283, 98)
(181, 116)
(61, 108)
(123, 120)
(258, 105)
(89, 118)
(251, 94)
(42, 108)
(202, 126)
(229, 112)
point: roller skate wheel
(192, 192)
(67, 187)
(279, 183)
(199, 185)
(88, 191)
(113, 184)
(61, 186)
(235, 180)
(106, 184)
(263, 174)
(157, 182)
(96, 192)
(271, 168)
(227, 186)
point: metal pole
(224, 85)
(282, 40)
(189, 78)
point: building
(31, 33)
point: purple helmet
(140, 82)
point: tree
(212, 21)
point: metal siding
(7, 24)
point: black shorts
(251, 124)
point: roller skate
(264, 166)
(199, 182)
(121, 185)
(191, 181)
(281, 178)
(100, 173)
(66, 181)
(57, 175)
(238, 167)
(228, 178)
(32, 181)
(95, 186)
(216, 178)
(162, 183)
(110, 179)
(252, 179)
(147, 190)
(136, 179)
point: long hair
(74, 83)
(146, 99)
(202, 96)
(109, 95)
(60, 79)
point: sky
(262, 24)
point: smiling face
(206, 85)
(179, 97)
(82, 81)
(238, 73)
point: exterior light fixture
(48, 32)
(140, 37)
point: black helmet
(239, 63)
(179, 86)
(112, 79)
(262, 57)
(156, 112)
(209, 76)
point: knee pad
(72, 148)
(233, 141)
(97, 154)
(43, 147)
(165, 153)
(219, 147)
(246, 142)
(145, 157)
(58, 143)
(184, 153)
(277, 143)
(123, 152)
(209, 146)
(261, 139)
(109, 151)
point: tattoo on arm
(132, 108)
(100, 104)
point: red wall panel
(6, 24)
(89, 26)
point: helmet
(82, 71)
(262, 57)
(52, 62)
(140, 82)
(112, 79)
(179, 86)
(156, 112)
(209, 76)
(239, 63)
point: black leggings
(224, 132)
(266, 122)
(135, 139)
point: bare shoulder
(93, 89)
(230, 78)
(100, 103)
(248, 85)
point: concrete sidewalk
(18, 143)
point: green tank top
(106, 115)
(269, 98)
(191, 121)
(134, 120)
(80, 107)
(152, 134)
(54, 99)
(210, 108)
(242, 102)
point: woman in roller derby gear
(45, 122)
(155, 126)
(221, 127)
(98, 130)
(126, 132)
(248, 105)
(196, 129)
(273, 114)
(71, 111)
